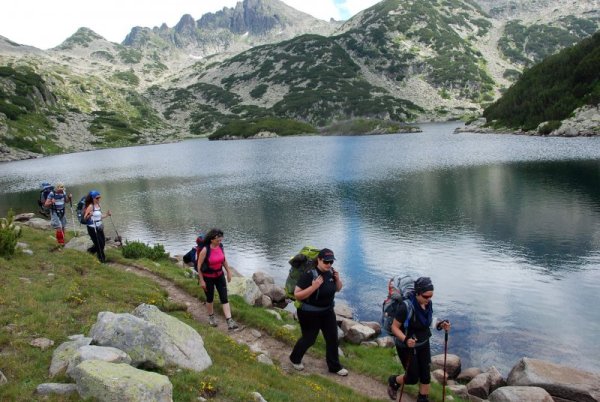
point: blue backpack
(399, 291)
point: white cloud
(45, 24)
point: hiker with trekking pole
(411, 331)
(56, 203)
(93, 218)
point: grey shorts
(57, 222)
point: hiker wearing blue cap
(93, 217)
(316, 290)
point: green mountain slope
(552, 89)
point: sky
(47, 23)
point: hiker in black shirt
(316, 289)
(412, 343)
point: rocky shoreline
(529, 380)
(585, 122)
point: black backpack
(80, 210)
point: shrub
(137, 249)
(9, 233)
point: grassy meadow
(56, 293)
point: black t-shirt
(415, 327)
(322, 297)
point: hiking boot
(298, 366)
(392, 388)
(342, 372)
(423, 398)
(231, 324)
(212, 321)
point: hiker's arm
(301, 294)
(227, 269)
(48, 202)
(88, 212)
(107, 214)
(401, 335)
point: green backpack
(304, 261)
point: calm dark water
(508, 227)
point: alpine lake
(507, 227)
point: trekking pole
(114, 227)
(72, 216)
(445, 375)
(405, 372)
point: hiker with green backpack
(411, 330)
(316, 289)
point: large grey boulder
(359, 333)
(152, 338)
(560, 381)
(479, 386)
(453, 364)
(93, 352)
(63, 354)
(260, 278)
(468, 374)
(246, 288)
(520, 394)
(38, 223)
(79, 243)
(105, 381)
(276, 293)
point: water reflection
(507, 227)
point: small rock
(25, 280)
(438, 375)
(3, 379)
(53, 388)
(385, 341)
(264, 359)
(275, 314)
(22, 245)
(42, 343)
(256, 397)
(255, 333)
(289, 327)
(27, 251)
(341, 352)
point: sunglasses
(328, 262)
(426, 297)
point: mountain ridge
(397, 60)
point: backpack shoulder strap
(409, 313)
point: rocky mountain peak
(186, 25)
(81, 38)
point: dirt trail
(261, 342)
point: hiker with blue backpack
(92, 217)
(211, 262)
(316, 289)
(56, 203)
(411, 330)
